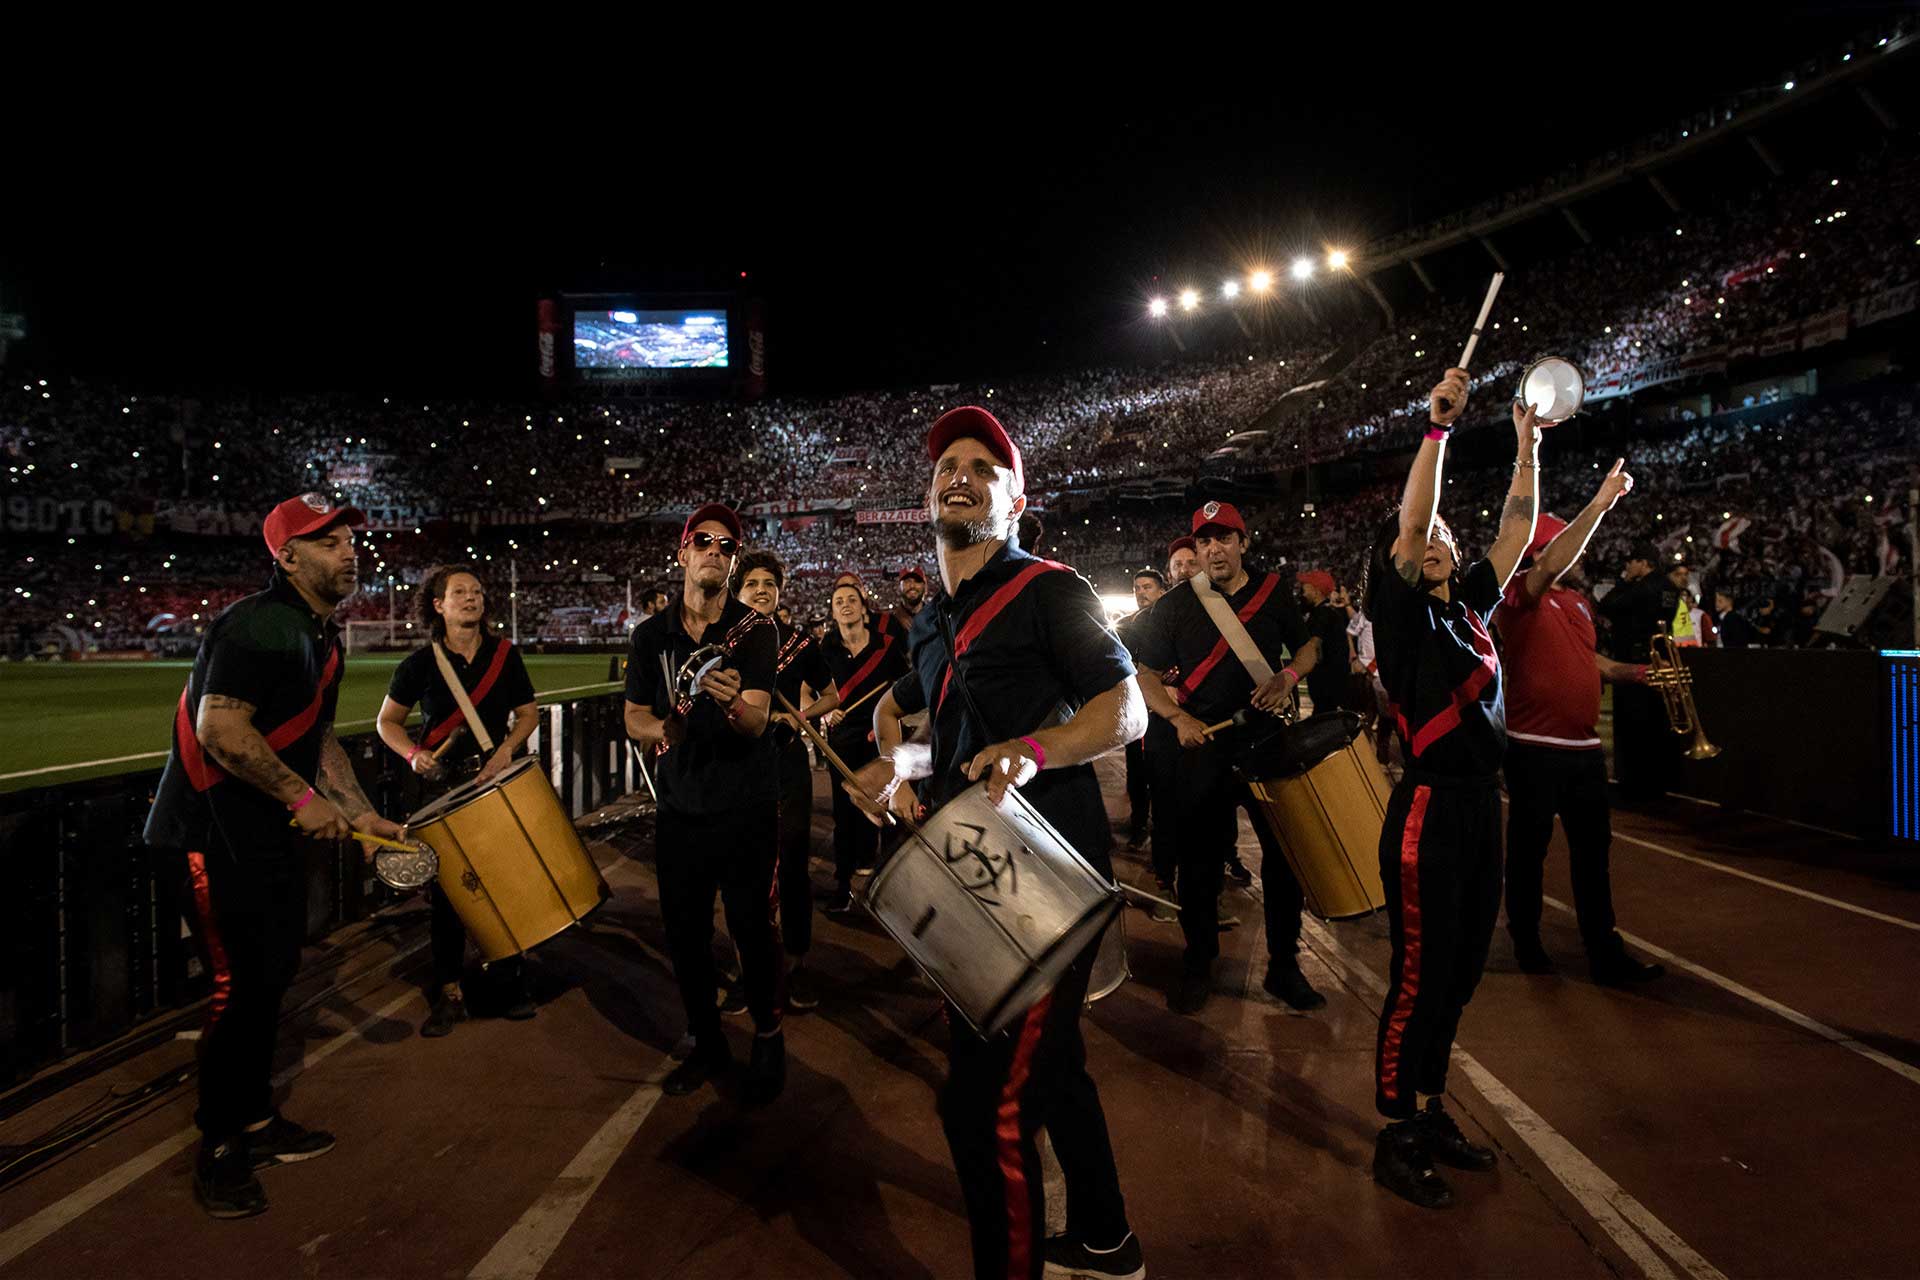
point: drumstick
(1144, 895)
(640, 759)
(862, 699)
(369, 838)
(1473, 339)
(832, 757)
(441, 750)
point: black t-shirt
(1634, 612)
(1327, 682)
(1441, 673)
(798, 661)
(496, 665)
(714, 770)
(881, 661)
(1035, 648)
(1178, 632)
(273, 651)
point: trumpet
(1669, 675)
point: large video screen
(615, 340)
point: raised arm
(1571, 542)
(1523, 502)
(1420, 500)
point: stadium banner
(754, 385)
(549, 340)
(1828, 326)
(904, 515)
(797, 507)
(1885, 305)
(1780, 339)
(617, 463)
(53, 515)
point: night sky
(914, 224)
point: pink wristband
(1039, 756)
(412, 753)
(1289, 671)
(1439, 433)
(301, 803)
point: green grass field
(71, 720)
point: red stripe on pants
(216, 949)
(1410, 943)
(1013, 1170)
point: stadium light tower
(1261, 281)
(1189, 299)
(1231, 289)
(1157, 308)
(1302, 268)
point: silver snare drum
(992, 904)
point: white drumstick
(1486, 308)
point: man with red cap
(1183, 560)
(717, 774)
(1214, 686)
(1327, 623)
(254, 772)
(1025, 685)
(913, 595)
(1554, 763)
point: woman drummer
(864, 659)
(453, 612)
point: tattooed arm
(1523, 503)
(336, 781)
(225, 728)
(1421, 499)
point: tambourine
(695, 669)
(406, 865)
(1554, 388)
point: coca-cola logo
(546, 355)
(757, 353)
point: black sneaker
(699, 1067)
(733, 1001)
(1447, 1144)
(1530, 955)
(1068, 1259)
(1137, 838)
(767, 1069)
(1286, 983)
(1401, 1165)
(1237, 871)
(284, 1142)
(801, 993)
(1612, 966)
(840, 901)
(1190, 997)
(516, 992)
(447, 1009)
(223, 1181)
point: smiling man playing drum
(718, 777)
(1017, 646)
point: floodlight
(1302, 268)
(1261, 281)
(1231, 289)
(1189, 299)
(1337, 260)
(1158, 307)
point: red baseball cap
(973, 422)
(912, 571)
(1545, 530)
(719, 511)
(304, 516)
(1219, 515)
(1318, 578)
(1182, 543)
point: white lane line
(524, 1250)
(1627, 1222)
(604, 685)
(17, 1239)
(1774, 1007)
(1721, 867)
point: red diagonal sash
(202, 772)
(438, 733)
(866, 668)
(1185, 689)
(985, 614)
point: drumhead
(1291, 750)
(467, 792)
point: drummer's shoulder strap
(1233, 631)
(459, 692)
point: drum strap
(459, 692)
(1232, 629)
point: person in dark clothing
(1148, 585)
(453, 614)
(1181, 633)
(1440, 842)
(1014, 645)
(253, 743)
(1645, 758)
(800, 676)
(1327, 683)
(717, 825)
(864, 659)
(1736, 629)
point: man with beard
(913, 595)
(252, 743)
(1440, 840)
(718, 823)
(1183, 560)
(1017, 646)
(1148, 585)
(1180, 632)
(1554, 763)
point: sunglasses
(701, 541)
